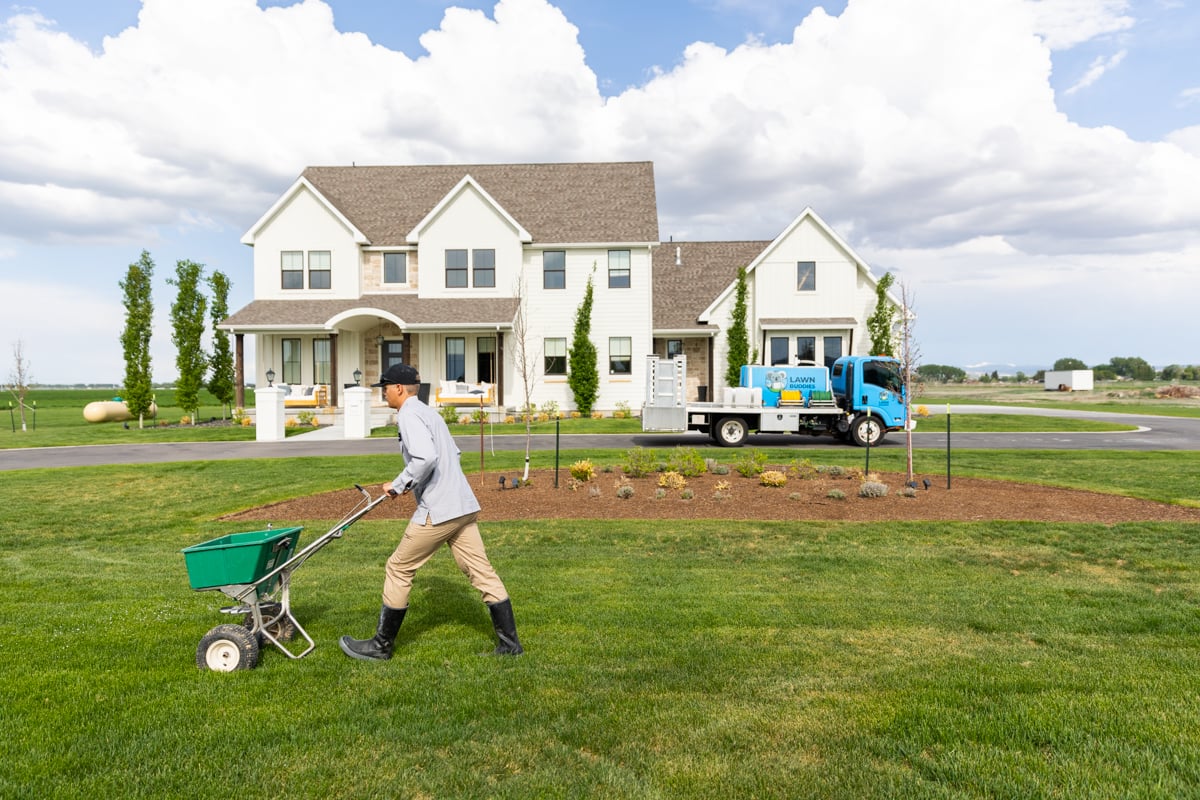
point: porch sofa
(304, 396)
(458, 393)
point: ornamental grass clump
(583, 470)
(836, 494)
(772, 477)
(625, 492)
(872, 489)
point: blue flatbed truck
(858, 400)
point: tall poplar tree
(135, 338)
(582, 374)
(882, 323)
(187, 323)
(220, 381)
(737, 336)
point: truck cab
(870, 389)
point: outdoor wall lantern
(357, 377)
(270, 377)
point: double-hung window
(456, 358)
(554, 269)
(291, 361)
(321, 361)
(395, 267)
(484, 262)
(620, 355)
(618, 269)
(456, 269)
(292, 266)
(555, 356)
(319, 262)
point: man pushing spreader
(445, 514)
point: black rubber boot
(379, 646)
(506, 629)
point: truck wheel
(866, 429)
(731, 432)
(227, 648)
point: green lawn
(697, 660)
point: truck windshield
(885, 374)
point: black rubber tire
(227, 648)
(864, 428)
(731, 432)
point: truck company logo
(777, 380)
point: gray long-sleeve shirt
(431, 465)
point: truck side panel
(776, 380)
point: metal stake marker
(947, 445)
(480, 393)
(867, 471)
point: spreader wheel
(284, 630)
(227, 648)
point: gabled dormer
(469, 244)
(305, 248)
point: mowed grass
(664, 660)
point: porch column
(500, 369)
(239, 371)
(333, 370)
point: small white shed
(1069, 380)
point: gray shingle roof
(413, 311)
(682, 292)
(560, 203)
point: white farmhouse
(358, 268)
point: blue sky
(1029, 169)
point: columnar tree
(187, 322)
(135, 338)
(220, 381)
(737, 337)
(582, 374)
(882, 323)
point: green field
(698, 660)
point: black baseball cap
(402, 374)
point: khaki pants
(418, 545)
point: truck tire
(866, 429)
(730, 432)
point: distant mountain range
(988, 368)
